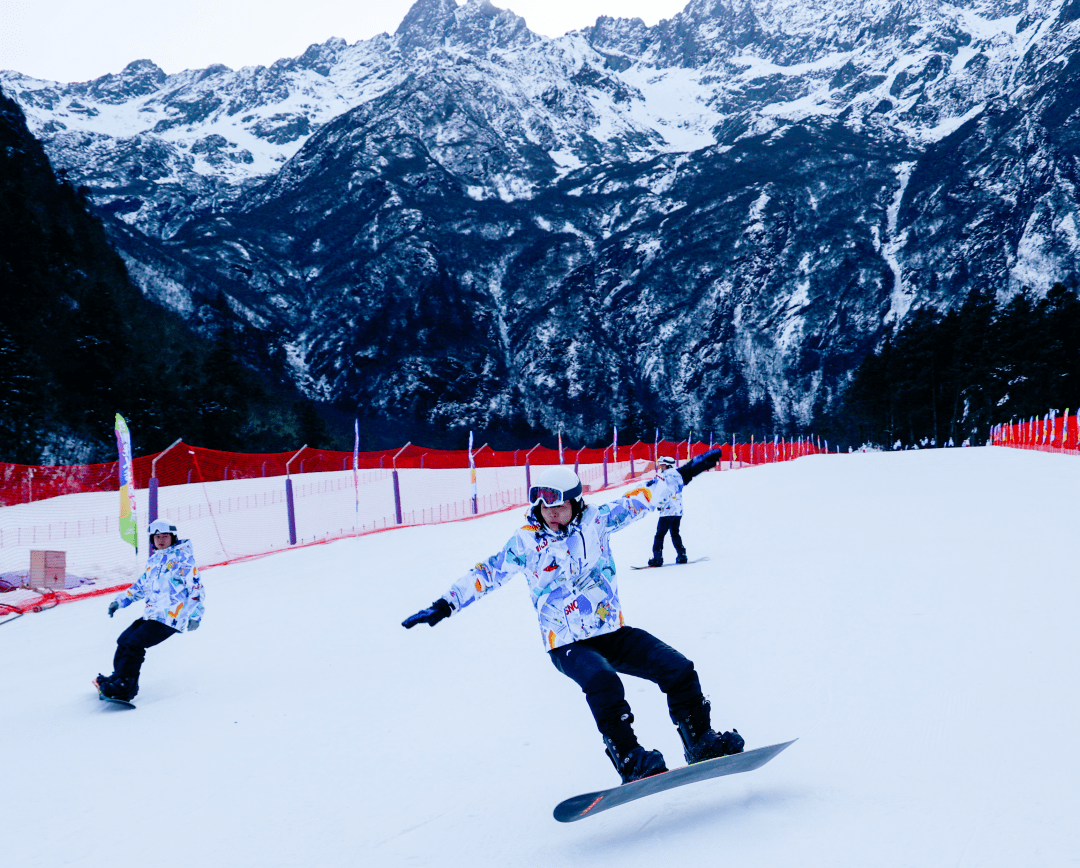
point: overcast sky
(78, 40)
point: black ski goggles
(552, 496)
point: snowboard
(587, 804)
(121, 702)
(671, 564)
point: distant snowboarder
(565, 553)
(669, 521)
(174, 603)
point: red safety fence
(1050, 433)
(59, 526)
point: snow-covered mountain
(705, 222)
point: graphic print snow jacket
(170, 584)
(672, 506)
(571, 574)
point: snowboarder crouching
(669, 521)
(564, 552)
(174, 603)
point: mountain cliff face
(79, 342)
(707, 223)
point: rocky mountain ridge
(703, 223)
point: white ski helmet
(555, 486)
(665, 461)
(159, 525)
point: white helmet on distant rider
(160, 525)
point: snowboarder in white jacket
(174, 603)
(669, 521)
(565, 554)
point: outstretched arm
(136, 591)
(484, 577)
(432, 615)
(645, 498)
(704, 462)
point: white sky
(76, 40)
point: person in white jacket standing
(669, 521)
(564, 552)
(174, 604)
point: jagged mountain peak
(723, 211)
(137, 79)
(477, 25)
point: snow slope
(910, 617)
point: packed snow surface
(910, 617)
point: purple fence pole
(292, 510)
(289, 504)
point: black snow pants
(131, 651)
(595, 665)
(665, 524)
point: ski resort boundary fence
(60, 527)
(1051, 433)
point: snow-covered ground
(912, 618)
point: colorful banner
(129, 531)
(472, 475)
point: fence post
(397, 485)
(472, 470)
(290, 505)
(154, 480)
(291, 510)
(605, 468)
(528, 469)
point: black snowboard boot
(681, 559)
(634, 763)
(117, 688)
(700, 742)
(656, 561)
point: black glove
(699, 465)
(193, 625)
(113, 606)
(432, 615)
